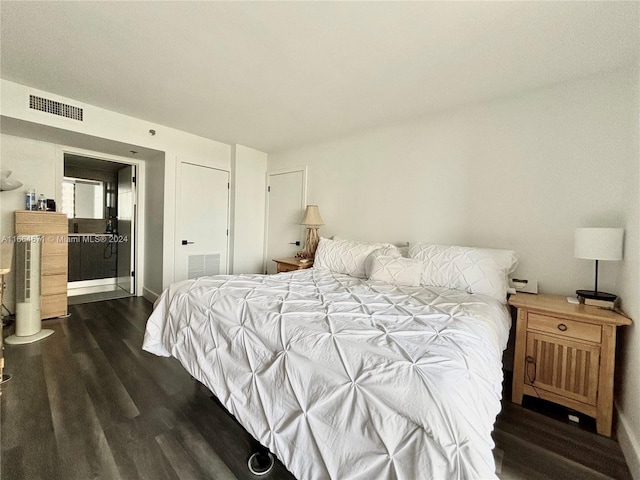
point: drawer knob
(562, 327)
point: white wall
(248, 191)
(628, 287)
(40, 165)
(35, 165)
(521, 173)
(154, 227)
(104, 128)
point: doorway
(286, 201)
(99, 199)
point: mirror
(82, 198)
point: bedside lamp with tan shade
(312, 220)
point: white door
(286, 202)
(202, 222)
(126, 229)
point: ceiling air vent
(55, 108)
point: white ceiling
(272, 75)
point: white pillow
(382, 248)
(389, 251)
(474, 270)
(394, 270)
(346, 256)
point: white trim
(138, 244)
(95, 289)
(150, 294)
(91, 283)
(303, 205)
(629, 444)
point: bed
(347, 376)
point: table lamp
(598, 244)
(312, 220)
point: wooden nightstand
(290, 264)
(565, 353)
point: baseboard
(149, 294)
(629, 444)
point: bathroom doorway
(99, 199)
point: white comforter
(344, 378)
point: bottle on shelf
(42, 203)
(30, 203)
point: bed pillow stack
(475, 270)
(348, 256)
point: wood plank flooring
(88, 403)
(547, 446)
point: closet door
(202, 223)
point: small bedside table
(565, 353)
(290, 264)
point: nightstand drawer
(283, 267)
(564, 327)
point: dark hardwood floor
(88, 403)
(537, 441)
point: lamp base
(592, 294)
(311, 244)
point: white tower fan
(28, 261)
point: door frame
(134, 233)
(137, 248)
(177, 236)
(269, 174)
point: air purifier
(28, 250)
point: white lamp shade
(312, 216)
(598, 243)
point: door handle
(185, 242)
(295, 243)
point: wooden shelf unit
(565, 353)
(53, 280)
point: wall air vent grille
(55, 108)
(201, 265)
